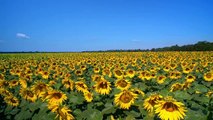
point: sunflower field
(107, 85)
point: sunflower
(88, 96)
(68, 84)
(106, 71)
(166, 68)
(1, 76)
(151, 101)
(96, 70)
(83, 67)
(142, 75)
(118, 73)
(190, 78)
(173, 66)
(208, 76)
(148, 76)
(170, 109)
(103, 86)
(52, 82)
(56, 97)
(28, 94)
(81, 86)
(186, 85)
(138, 91)
(130, 73)
(13, 101)
(161, 79)
(96, 77)
(13, 83)
(79, 72)
(209, 94)
(62, 112)
(4, 83)
(39, 88)
(176, 86)
(45, 74)
(122, 84)
(5, 92)
(187, 70)
(125, 99)
(23, 83)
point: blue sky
(78, 25)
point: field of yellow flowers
(107, 85)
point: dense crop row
(93, 86)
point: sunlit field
(107, 85)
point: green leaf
(194, 115)
(23, 115)
(93, 114)
(58, 85)
(130, 117)
(201, 88)
(109, 108)
(182, 95)
(132, 113)
(76, 99)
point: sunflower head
(4, 83)
(81, 86)
(88, 96)
(130, 73)
(151, 101)
(103, 86)
(96, 77)
(176, 86)
(39, 88)
(190, 78)
(170, 109)
(68, 84)
(118, 73)
(161, 79)
(208, 76)
(13, 101)
(125, 99)
(122, 84)
(28, 94)
(79, 72)
(187, 70)
(56, 97)
(62, 112)
(13, 83)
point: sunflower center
(78, 72)
(103, 85)
(154, 100)
(41, 87)
(170, 107)
(5, 83)
(126, 97)
(161, 77)
(107, 71)
(208, 75)
(14, 82)
(122, 83)
(118, 72)
(81, 85)
(57, 95)
(190, 77)
(130, 72)
(30, 94)
(89, 95)
(12, 100)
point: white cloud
(22, 35)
